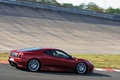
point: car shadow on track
(92, 74)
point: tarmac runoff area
(22, 27)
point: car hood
(81, 60)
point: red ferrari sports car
(49, 59)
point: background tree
(92, 6)
(113, 11)
(81, 6)
(68, 5)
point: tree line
(90, 6)
(93, 7)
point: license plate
(11, 59)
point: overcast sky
(100, 3)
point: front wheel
(81, 68)
(33, 65)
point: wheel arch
(35, 59)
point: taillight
(20, 55)
(13, 54)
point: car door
(47, 58)
(62, 60)
(57, 60)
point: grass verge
(102, 60)
(99, 60)
(4, 56)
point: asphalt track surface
(8, 72)
(22, 27)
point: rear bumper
(17, 62)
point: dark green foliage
(113, 11)
(68, 5)
(81, 6)
(92, 6)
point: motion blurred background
(23, 26)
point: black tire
(81, 68)
(33, 65)
(11, 63)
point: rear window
(30, 49)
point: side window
(48, 52)
(57, 53)
(61, 54)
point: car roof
(34, 49)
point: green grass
(4, 56)
(99, 60)
(102, 60)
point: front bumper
(90, 68)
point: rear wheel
(33, 65)
(81, 68)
